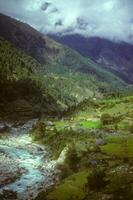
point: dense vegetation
(54, 86)
(71, 69)
(69, 77)
(94, 151)
(86, 120)
(20, 87)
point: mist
(112, 19)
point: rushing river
(25, 168)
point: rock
(115, 133)
(20, 127)
(62, 156)
(3, 128)
(93, 162)
(49, 123)
(7, 194)
(100, 142)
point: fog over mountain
(111, 19)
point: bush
(39, 126)
(72, 157)
(65, 171)
(96, 180)
(106, 119)
(120, 186)
(38, 131)
(131, 128)
(68, 160)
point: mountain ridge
(60, 76)
(117, 57)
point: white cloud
(108, 6)
(111, 19)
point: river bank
(25, 167)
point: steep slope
(46, 73)
(116, 57)
(21, 94)
(23, 37)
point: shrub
(38, 131)
(72, 158)
(65, 171)
(106, 119)
(131, 128)
(96, 180)
(68, 160)
(120, 186)
(40, 126)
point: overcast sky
(111, 19)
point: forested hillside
(21, 92)
(37, 72)
(66, 119)
(25, 82)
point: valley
(66, 121)
(89, 145)
(94, 146)
(47, 78)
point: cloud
(45, 6)
(111, 19)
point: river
(25, 167)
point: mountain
(42, 76)
(21, 93)
(116, 57)
(23, 37)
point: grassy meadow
(98, 139)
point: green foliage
(74, 155)
(39, 131)
(106, 119)
(63, 137)
(91, 124)
(71, 188)
(96, 180)
(113, 186)
(72, 158)
(109, 167)
(14, 64)
(66, 68)
(120, 186)
(131, 128)
(121, 147)
(51, 88)
(19, 80)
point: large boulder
(62, 156)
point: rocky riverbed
(25, 167)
